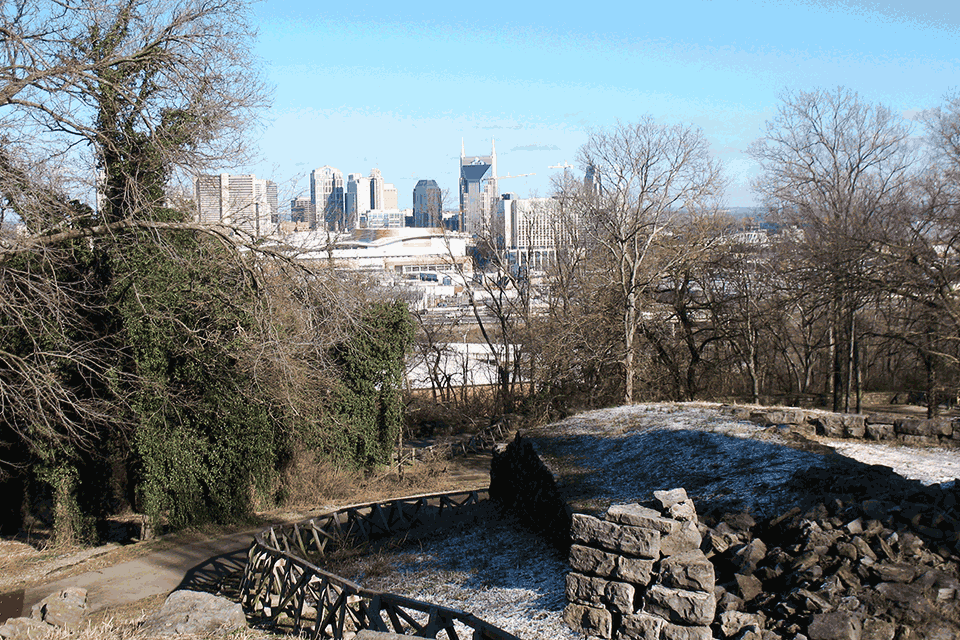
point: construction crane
(563, 165)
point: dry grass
(311, 483)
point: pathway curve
(155, 573)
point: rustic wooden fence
(484, 440)
(283, 587)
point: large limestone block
(598, 592)
(686, 538)
(680, 606)
(684, 511)
(829, 425)
(669, 497)
(641, 626)
(611, 536)
(928, 428)
(731, 622)
(610, 565)
(637, 515)
(854, 426)
(777, 416)
(679, 632)
(590, 621)
(194, 613)
(24, 629)
(690, 570)
(880, 431)
(835, 625)
(749, 556)
(64, 609)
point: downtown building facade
(303, 212)
(479, 193)
(327, 196)
(357, 203)
(243, 201)
(427, 204)
(531, 230)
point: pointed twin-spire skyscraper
(478, 190)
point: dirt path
(191, 565)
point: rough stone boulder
(63, 609)
(24, 629)
(194, 613)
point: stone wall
(522, 483)
(639, 572)
(943, 432)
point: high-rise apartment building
(273, 201)
(391, 197)
(531, 229)
(427, 204)
(478, 191)
(244, 201)
(327, 196)
(303, 211)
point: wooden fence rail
(484, 440)
(282, 586)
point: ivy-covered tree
(367, 411)
(120, 333)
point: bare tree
(832, 166)
(645, 172)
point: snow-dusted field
(510, 578)
(624, 454)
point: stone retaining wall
(944, 432)
(639, 572)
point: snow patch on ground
(488, 566)
(930, 465)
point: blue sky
(398, 85)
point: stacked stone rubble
(943, 432)
(877, 560)
(639, 572)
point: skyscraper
(427, 204)
(357, 198)
(326, 194)
(479, 194)
(376, 189)
(243, 201)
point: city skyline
(398, 87)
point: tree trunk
(630, 332)
(833, 373)
(66, 511)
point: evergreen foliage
(203, 440)
(367, 415)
